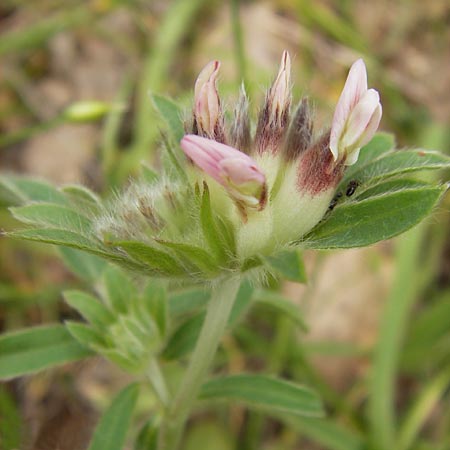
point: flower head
(234, 170)
(356, 118)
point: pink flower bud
(274, 116)
(356, 118)
(207, 110)
(280, 92)
(234, 170)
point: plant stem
(158, 382)
(217, 315)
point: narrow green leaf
(111, 431)
(155, 301)
(53, 215)
(183, 340)
(57, 237)
(171, 114)
(388, 187)
(90, 308)
(209, 226)
(120, 291)
(187, 301)
(264, 392)
(284, 305)
(289, 264)
(88, 267)
(242, 302)
(196, 255)
(398, 162)
(173, 167)
(34, 349)
(325, 432)
(428, 333)
(157, 260)
(363, 223)
(86, 335)
(22, 190)
(425, 403)
(147, 438)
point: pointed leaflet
(90, 308)
(54, 216)
(120, 291)
(34, 349)
(112, 429)
(264, 392)
(357, 224)
(289, 264)
(155, 301)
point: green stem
(158, 382)
(29, 132)
(217, 315)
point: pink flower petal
(354, 88)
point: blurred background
(378, 346)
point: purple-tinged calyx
(356, 118)
(234, 170)
(274, 116)
(207, 109)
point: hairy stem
(218, 313)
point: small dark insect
(351, 188)
(333, 202)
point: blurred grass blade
(111, 431)
(325, 432)
(404, 292)
(264, 392)
(34, 349)
(34, 35)
(426, 402)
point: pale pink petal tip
(357, 116)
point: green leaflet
(120, 291)
(171, 114)
(90, 308)
(289, 264)
(361, 223)
(395, 163)
(156, 260)
(264, 392)
(111, 431)
(154, 299)
(19, 190)
(195, 255)
(34, 349)
(54, 216)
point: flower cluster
(282, 180)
